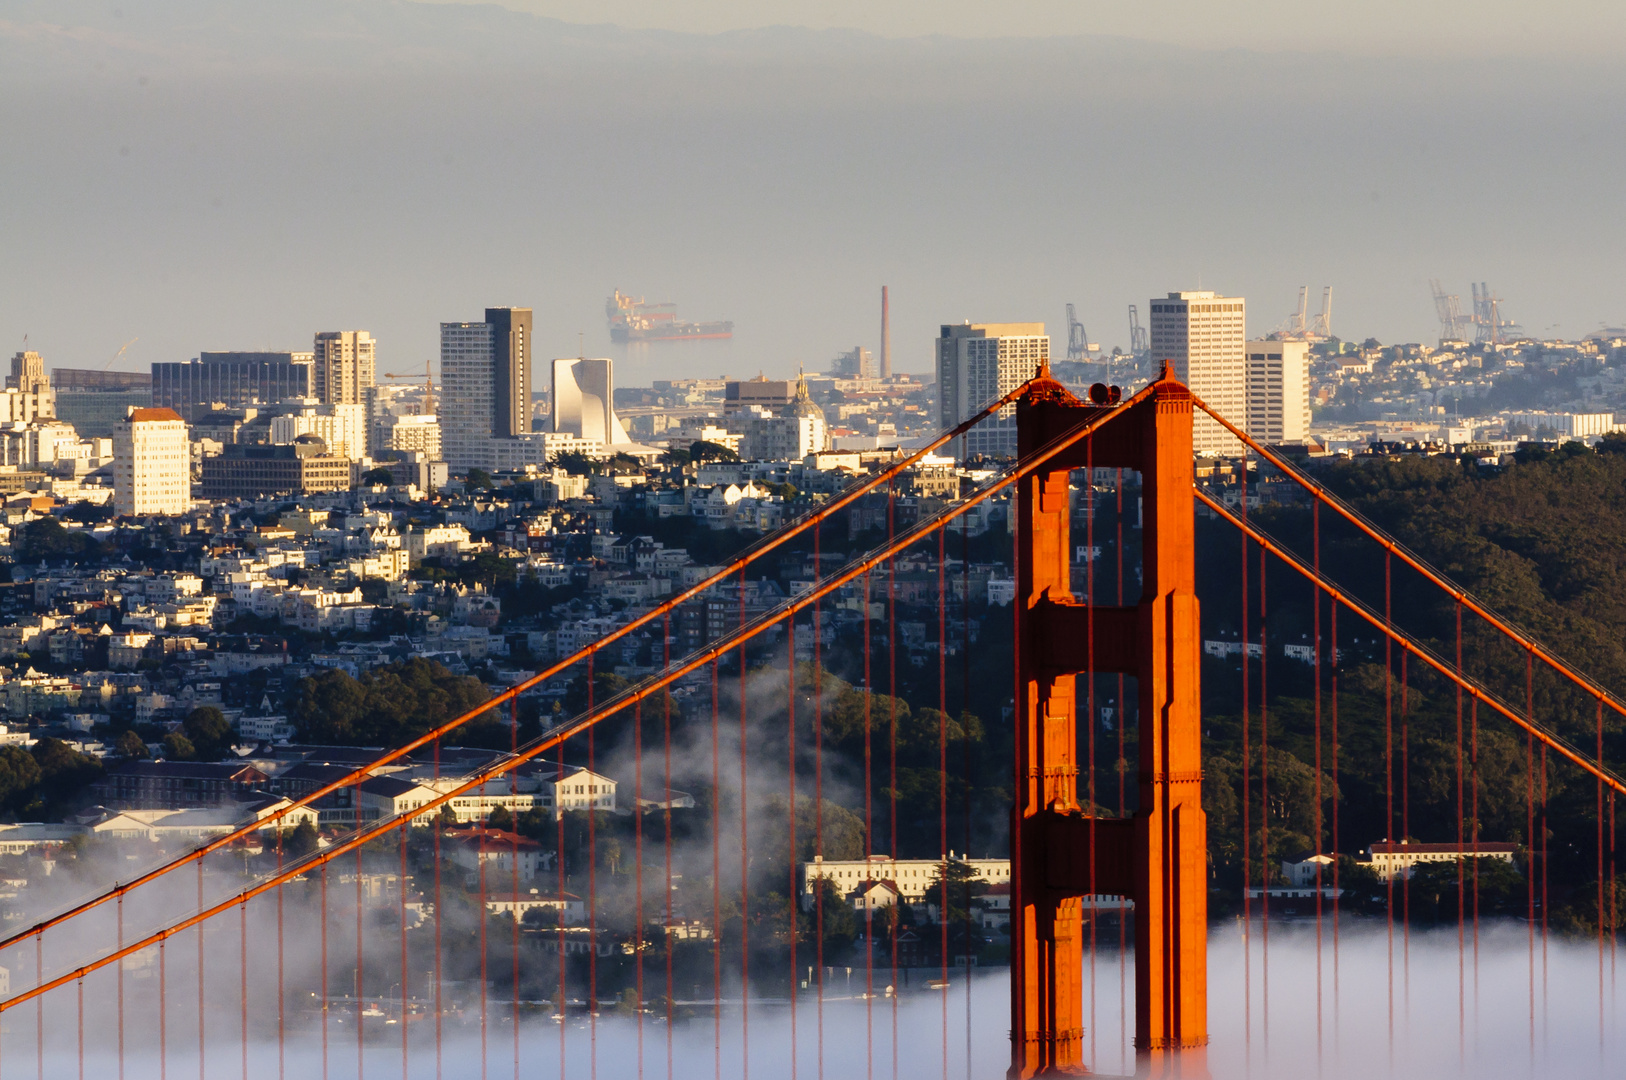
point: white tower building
(584, 401)
(152, 463)
(1203, 336)
(977, 362)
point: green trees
(387, 706)
(477, 480)
(130, 745)
(379, 475)
(209, 733)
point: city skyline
(787, 179)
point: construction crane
(1139, 345)
(1448, 307)
(1490, 327)
(1294, 328)
(1321, 329)
(1078, 342)
(428, 386)
(120, 353)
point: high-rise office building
(485, 393)
(342, 368)
(978, 362)
(234, 379)
(152, 463)
(343, 428)
(1203, 336)
(1278, 391)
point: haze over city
(226, 175)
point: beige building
(343, 368)
(1203, 336)
(978, 362)
(342, 427)
(1278, 391)
(152, 463)
(28, 395)
(1389, 860)
(404, 434)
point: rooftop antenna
(581, 345)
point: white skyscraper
(152, 463)
(1278, 391)
(584, 401)
(1203, 336)
(977, 362)
(466, 376)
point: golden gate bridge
(201, 964)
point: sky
(213, 174)
(1372, 27)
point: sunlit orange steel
(1060, 854)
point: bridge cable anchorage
(1475, 690)
(1592, 687)
(750, 554)
(318, 860)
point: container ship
(631, 319)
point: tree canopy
(387, 706)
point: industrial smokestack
(886, 336)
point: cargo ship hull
(634, 320)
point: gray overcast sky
(1380, 27)
(218, 174)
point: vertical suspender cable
(1337, 802)
(322, 879)
(1020, 723)
(666, 816)
(892, 746)
(405, 962)
(202, 1060)
(120, 917)
(716, 893)
(1473, 767)
(282, 1001)
(163, 1015)
(869, 850)
(637, 887)
(745, 868)
(1405, 832)
(440, 922)
(1121, 768)
(818, 800)
(1264, 816)
(1599, 782)
(482, 840)
(1462, 975)
(513, 887)
(355, 798)
(965, 750)
(1389, 791)
(790, 822)
(1530, 841)
(1320, 845)
(242, 984)
(592, 874)
(942, 787)
(1546, 834)
(1089, 715)
(1247, 795)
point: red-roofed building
(498, 850)
(152, 463)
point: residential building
(342, 367)
(342, 427)
(977, 363)
(1389, 859)
(485, 372)
(234, 379)
(246, 472)
(504, 855)
(912, 877)
(406, 435)
(1278, 391)
(795, 432)
(152, 463)
(176, 785)
(1203, 338)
